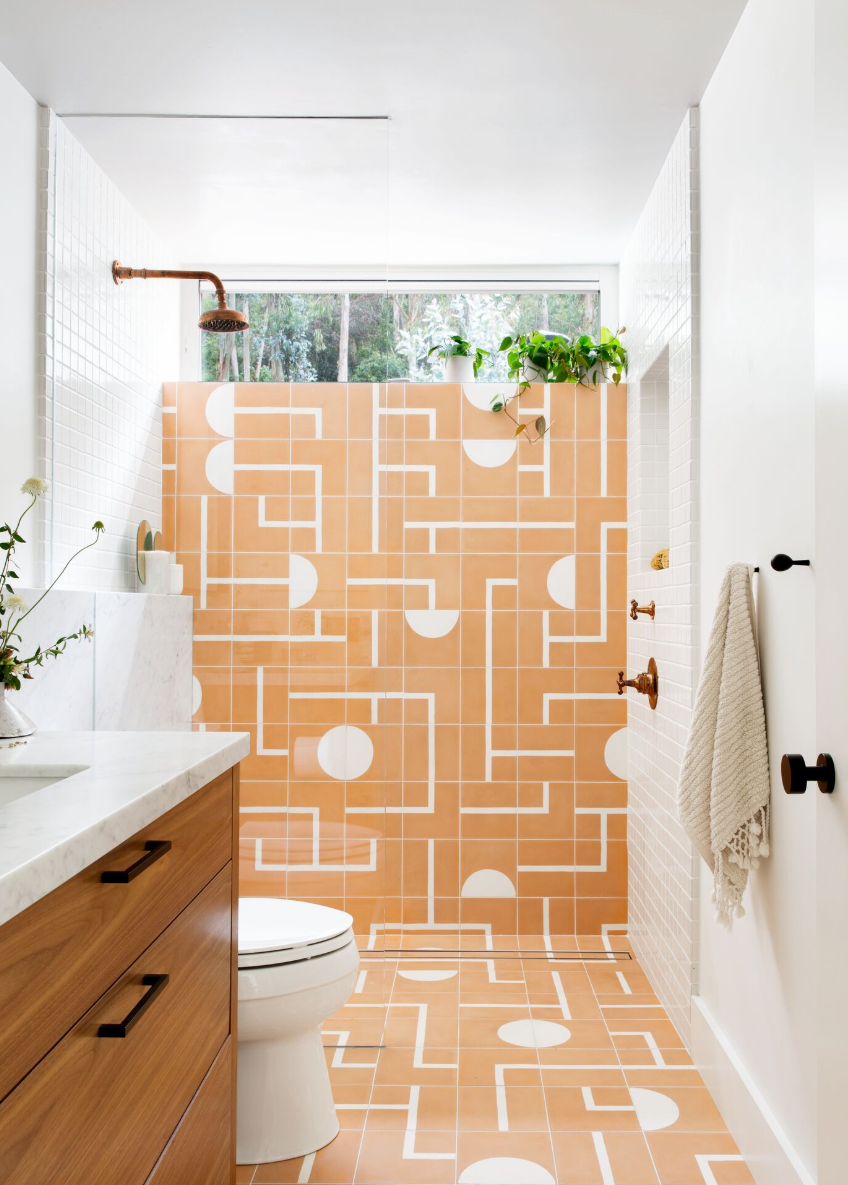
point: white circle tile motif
(534, 1034)
(654, 1110)
(345, 752)
(562, 580)
(427, 976)
(432, 623)
(489, 454)
(303, 580)
(615, 753)
(196, 694)
(219, 466)
(480, 395)
(220, 410)
(488, 882)
(505, 1170)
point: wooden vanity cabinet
(118, 993)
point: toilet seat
(273, 931)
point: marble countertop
(120, 782)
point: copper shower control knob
(647, 683)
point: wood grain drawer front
(61, 954)
(99, 1110)
(199, 1152)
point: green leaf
(505, 344)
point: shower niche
(653, 517)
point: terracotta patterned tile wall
(419, 620)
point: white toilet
(297, 965)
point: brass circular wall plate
(654, 690)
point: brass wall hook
(647, 683)
(648, 610)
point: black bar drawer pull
(155, 984)
(155, 849)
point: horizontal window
(367, 337)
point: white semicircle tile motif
(615, 753)
(345, 752)
(488, 882)
(432, 623)
(505, 1170)
(481, 395)
(534, 1034)
(221, 410)
(654, 1110)
(220, 461)
(562, 581)
(196, 694)
(489, 454)
(303, 580)
(427, 976)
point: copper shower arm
(121, 273)
(220, 320)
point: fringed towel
(723, 794)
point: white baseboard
(762, 1141)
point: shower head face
(223, 320)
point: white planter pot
(530, 373)
(596, 375)
(459, 369)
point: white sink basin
(16, 781)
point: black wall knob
(795, 773)
(782, 563)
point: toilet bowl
(297, 966)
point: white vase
(595, 375)
(459, 369)
(13, 722)
(530, 373)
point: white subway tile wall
(104, 353)
(659, 306)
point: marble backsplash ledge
(134, 674)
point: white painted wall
(18, 312)
(757, 984)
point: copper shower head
(220, 320)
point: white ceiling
(519, 134)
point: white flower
(34, 487)
(16, 602)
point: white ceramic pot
(459, 369)
(530, 373)
(13, 722)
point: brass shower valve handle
(646, 683)
(648, 610)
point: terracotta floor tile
(696, 1111)
(675, 1156)
(578, 1157)
(382, 1160)
(521, 1107)
(626, 1033)
(436, 1108)
(535, 1147)
(436, 1067)
(244, 1173)
(477, 1067)
(580, 1067)
(595, 1108)
(333, 1165)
